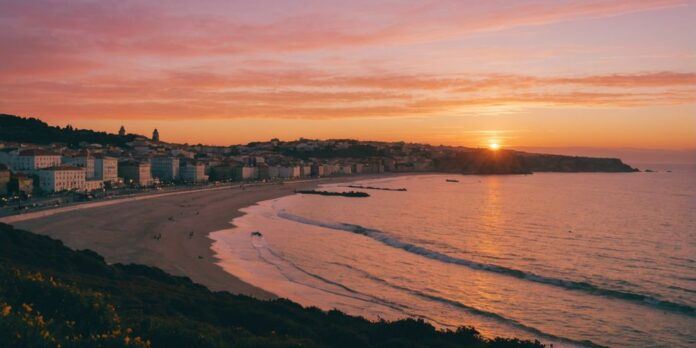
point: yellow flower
(27, 308)
(6, 309)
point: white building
(105, 168)
(86, 162)
(33, 160)
(61, 178)
(165, 168)
(193, 172)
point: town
(34, 174)
(43, 166)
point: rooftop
(63, 167)
(37, 152)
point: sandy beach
(168, 231)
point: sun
(494, 146)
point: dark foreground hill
(53, 296)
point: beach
(168, 231)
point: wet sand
(168, 231)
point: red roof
(37, 152)
(64, 167)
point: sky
(563, 73)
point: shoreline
(170, 230)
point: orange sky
(526, 73)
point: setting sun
(494, 146)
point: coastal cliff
(51, 295)
(484, 161)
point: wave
(473, 310)
(404, 309)
(529, 276)
(353, 294)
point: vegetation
(51, 296)
(32, 130)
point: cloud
(218, 59)
(163, 29)
(316, 95)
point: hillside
(32, 130)
(52, 295)
(483, 161)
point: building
(20, 183)
(268, 172)
(245, 173)
(289, 172)
(135, 172)
(357, 168)
(331, 169)
(165, 168)
(225, 172)
(105, 168)
(122, 131)
(305, 171)
(182, 153)
(85, 161)
(155, 135)
(345, 170)
(317, 170)
(33, 160)
(192, 171)
(4, 179)
(60, 178)
(93, 185)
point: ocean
(576, 259)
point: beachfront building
(193, 171)
(224, 172)
(84, 161)
(327, 169)
(165, 168)
(305, 171)
(20, 183)
(245, 173)
(60, 178)
(35, 159)
(289, 172)
(4, 179)
(317, 170)
(267, 172)
(105, 168)
(135, 172)
(93, 185)
(372, 168)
